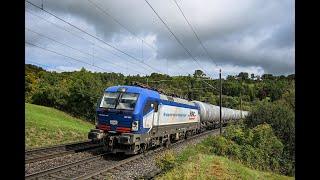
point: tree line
(77, 92)
(270, 99)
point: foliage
(166, 161)
(78, 92)
(258, 147)
(282, 119)
(206, 166)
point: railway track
(38, 154)
(97, 166)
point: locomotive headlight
(135, 126)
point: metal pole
(241, 103)
(220, 92)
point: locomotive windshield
(127, 101)
(111, 100)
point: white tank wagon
(211, 113)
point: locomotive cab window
(109, 100)
(121, 101)
(127, 101)
(150, 105)
(156, 106)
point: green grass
(47, 126)
(204, 166)
(198, 162)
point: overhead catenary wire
(65, 56)
(83, 52)
(78, 36)
(176, 38)
(39, 64)
(99, 6)
(194, 32)
(97, 38)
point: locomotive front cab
(119, 119)
(116, 112)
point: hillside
(204, 166)
(48, 126)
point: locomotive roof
(148, 92)
(134, 89)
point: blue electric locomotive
(131, 119)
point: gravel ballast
(146, 166)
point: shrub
(281, 118)
(257, 148)
(166, 162)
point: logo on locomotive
(192, 115)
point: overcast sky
(252, 36)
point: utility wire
(64, 55)
(36, 63)
(76, 35)
(94, 37)
(99, 6)
(177, 39)
(194, 32)
(83, 52)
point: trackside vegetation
(204, 166)
(249, 154)
(78, 92)
(48, 126)
(265, 140)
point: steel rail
(139, 156)
(49, 152)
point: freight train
(132, 119)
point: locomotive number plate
(113, 122)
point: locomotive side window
(156, 106)
(150, 104)
(147, 107)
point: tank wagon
(210, 114)
(131, 119)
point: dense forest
(270, 99)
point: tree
(267, 77)
(230, 77)
(252, 76)
(291, 77)
(282, 120)
(243, 75)
(198, 73)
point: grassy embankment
(47, 126)
(203, 166)
(195, 162)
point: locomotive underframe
(129, 143)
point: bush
(166, 162)
(282, 119)
(257, 148)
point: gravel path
(146, 166)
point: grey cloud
(247, 34)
